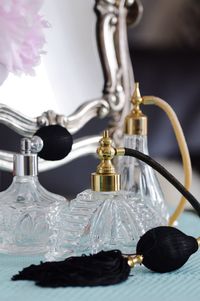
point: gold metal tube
(133, 260)
(198, 241)
(120, 151)
(105, 182)
(136, 124)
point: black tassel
(57, 142)
(166, 249)
(104, 268)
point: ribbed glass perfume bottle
(140, 178)
(104, 217)
(29, 214)
(137, 176)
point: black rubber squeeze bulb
(57, 142)
(165, 249)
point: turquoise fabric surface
(181, 285)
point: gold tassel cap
(105, 178)
(133, 260)
(136, 121)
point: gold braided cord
(149, 100)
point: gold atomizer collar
(136, 121)
(105, 178)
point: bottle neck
(25, 179)
(137, 142)
(25, 165)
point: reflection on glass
(70, 73)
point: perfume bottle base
(78, 251)
(23, 251)
(99, 221)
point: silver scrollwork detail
(18, 122)
(114, 52)
(79, 118)
(81, 147)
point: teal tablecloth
(183, 284)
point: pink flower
(21, 35)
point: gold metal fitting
(105, 178)
(136, 121)
(198, 241)
(120, 151)
(133, 260)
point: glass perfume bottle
(137, 176)
(104, 217)
(29, 214)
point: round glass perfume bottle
(105, 217)
(29, 214)
(137, 176)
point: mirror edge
(119, 80)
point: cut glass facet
(29, 217)
(99, 221)
(140, 178)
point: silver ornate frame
(114, 54)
